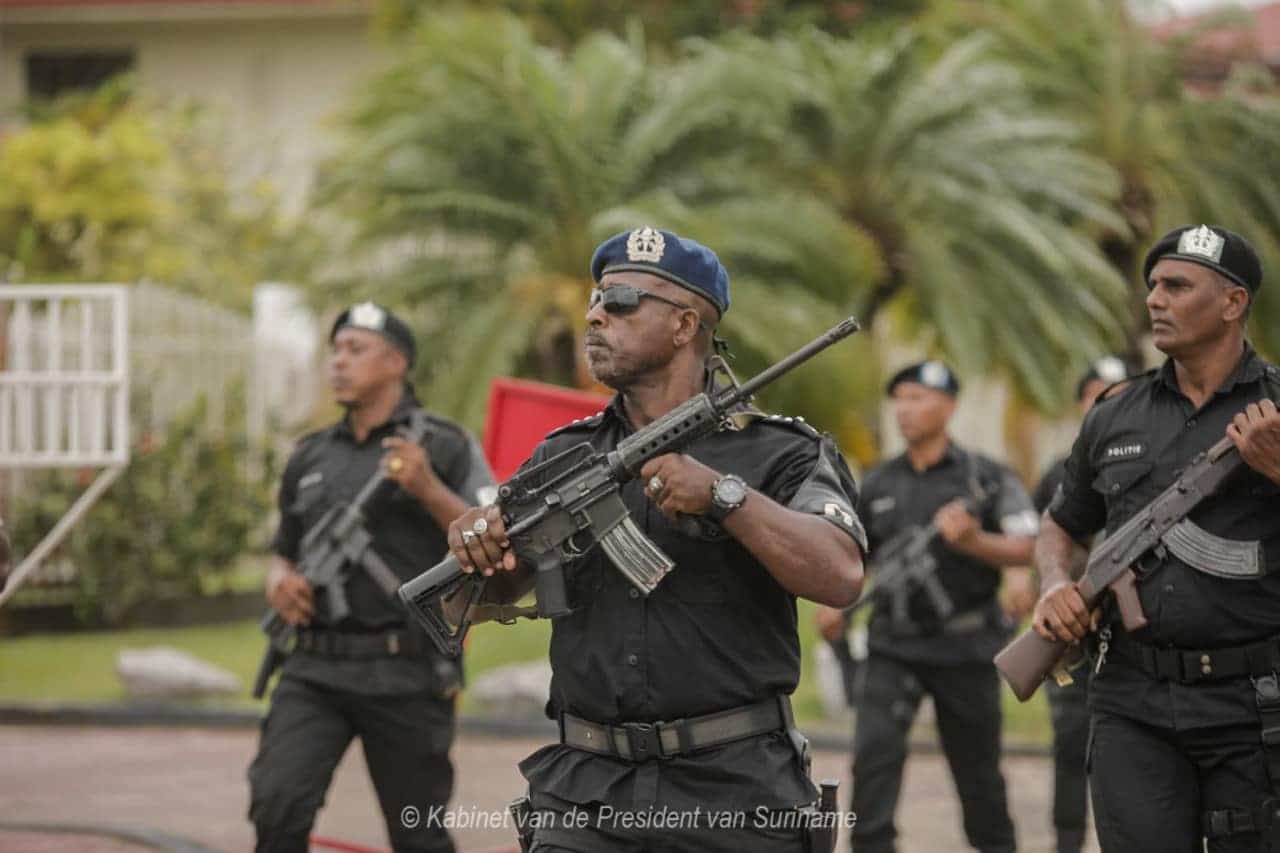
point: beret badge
(366, 315)
(934, 374)
(645, 244)
(1202, 242)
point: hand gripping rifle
(336, 543)
(558, 510)
(1128, 556)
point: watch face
(731, 491)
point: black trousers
(967, 701)
(1069, 713)
(1151, 786)
(406, 742)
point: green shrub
(171, 526)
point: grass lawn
(80, 667)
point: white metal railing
(70, 356)
(64, 382)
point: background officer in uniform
(679, 701)
(985, 523)
(372, 676)
(1178, 708)
(1068, 704)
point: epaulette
(1118, 387)
(796, 424)
(441, 421)
(580, 425)
(309, 437)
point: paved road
(191, 783)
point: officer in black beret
(1068, 703)
(1185, 711)
(985, 523)
(372, 675)
(674, 709)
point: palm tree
(980, 206)
(1182, 157)
(483, 168)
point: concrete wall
(275, 82)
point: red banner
(521, 413)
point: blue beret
(1225, 252)
(375, 318)
(682, 262)
(931, 374)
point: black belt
(395, 642)
(645, 741)
(1193, 666)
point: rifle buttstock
(1026, 662)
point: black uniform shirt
(1048, 485)
(1131, 447)
(718, 632)
(896, 497)
(331, 466)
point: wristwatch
(727, 494)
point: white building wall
(276, 83)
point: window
(50, 74)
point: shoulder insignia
(587, 423)
(795, 424)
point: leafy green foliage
(1183, 155)
(175, 521)
(109, 187)
(483, 168)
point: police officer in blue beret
(985, 524)
(1184, 712)
(674, 708)
(371, 675)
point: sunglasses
(623, 299)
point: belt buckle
(644, 740)
(393, 643)
(1266, 691)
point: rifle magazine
(1225, 558)
(640, 561)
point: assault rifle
(1136, 549)
(558, 510)
(904, 564)
(336, 544)
(907, 563)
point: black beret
(681, 261)
(931, 374)
(1110, 369)
(1225, 252)
(375, 318)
